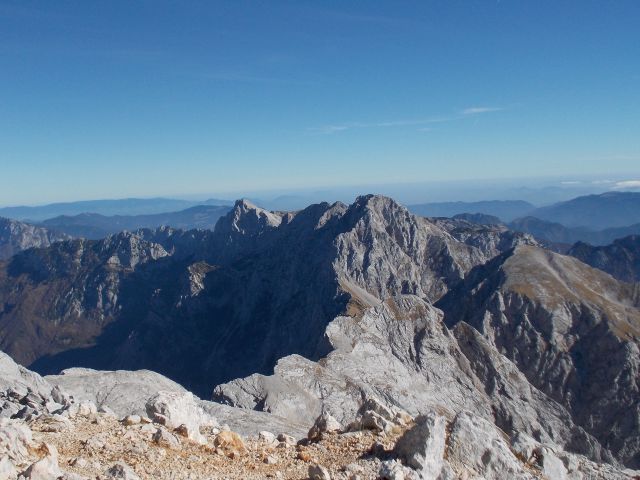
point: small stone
(304, 456)
(131, 420)
(286, 439)
(121, 471)
(106, 411)
(230, 444)
(148, 429)
(325, 423)
(391, 470)
(318, 472)
(78, 462)
(270, 460)
(166, 439)
(266, 437)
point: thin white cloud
(627, 184)
(329, 129)
(467, 112)
(571, 182)
(479, 110)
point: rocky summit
(337, 342)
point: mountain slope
(17, 236)
(556, 318)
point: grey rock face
(127, 392)
(423, 446)
(556, 319)
(135, 301)
(17, 236)
(401, 353)
(123, 392)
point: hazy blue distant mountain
(96, 226)
(558, 233)
(506, 210)
(611, 209)
(124, 206)
(479, 218)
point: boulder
(423, 446)
(47, 467)
(15, 441)
(180, 410)
(325, 423)
(476, 445)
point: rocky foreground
(46, 434)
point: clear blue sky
(106, 99)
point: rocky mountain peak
(248, 219)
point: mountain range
(96, 226)
(124, 206)
(299, 313)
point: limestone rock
(166, 439)
(325, 423)
(475, 445)
(120, 471)
(15, 441)
(318, 472)
(174, 410)
(230, 444)
(423, 446)
(47, 467)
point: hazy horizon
(538, 191)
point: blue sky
(105, 99)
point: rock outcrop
(556, 319)
(17, 236)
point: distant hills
(124, 206)
(96, 226)
(506, 210)
(594, 219)
(607, 210)
(558, 233)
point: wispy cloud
(479, 110)
(627, 184)
(423, 123)
(329, 129)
